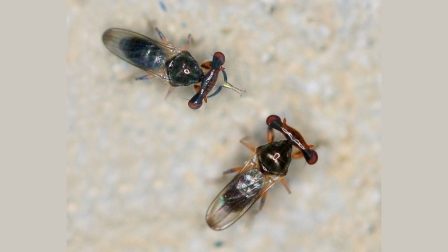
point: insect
(162, 59)
(268, 165)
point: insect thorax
(274, 158)
(183, 70)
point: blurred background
(142, 169)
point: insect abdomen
(142, 53)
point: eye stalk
(209, 80)
(310, 155)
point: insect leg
(215, 92)
(299, 154)
(233, 170)
(251, 147)
(189, 42)
(262, 200)
(161, 35)
(152, 73)
(197, 87)
(207, 65)
(144, 77)
(170, 90)
(285, 184)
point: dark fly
(268, 165)
(157, 58)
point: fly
(160, 58)
(268, 165)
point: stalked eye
(218, 60)
(273, 119)
(219, 57)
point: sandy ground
(142, 170)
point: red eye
(273, 118)
(311, 156)
(219, 57)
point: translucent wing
(143, 52)
(238, 196)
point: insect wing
(143, 52)
(237, 197)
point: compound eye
(310, 156)
(273, 119)
(219, 58)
